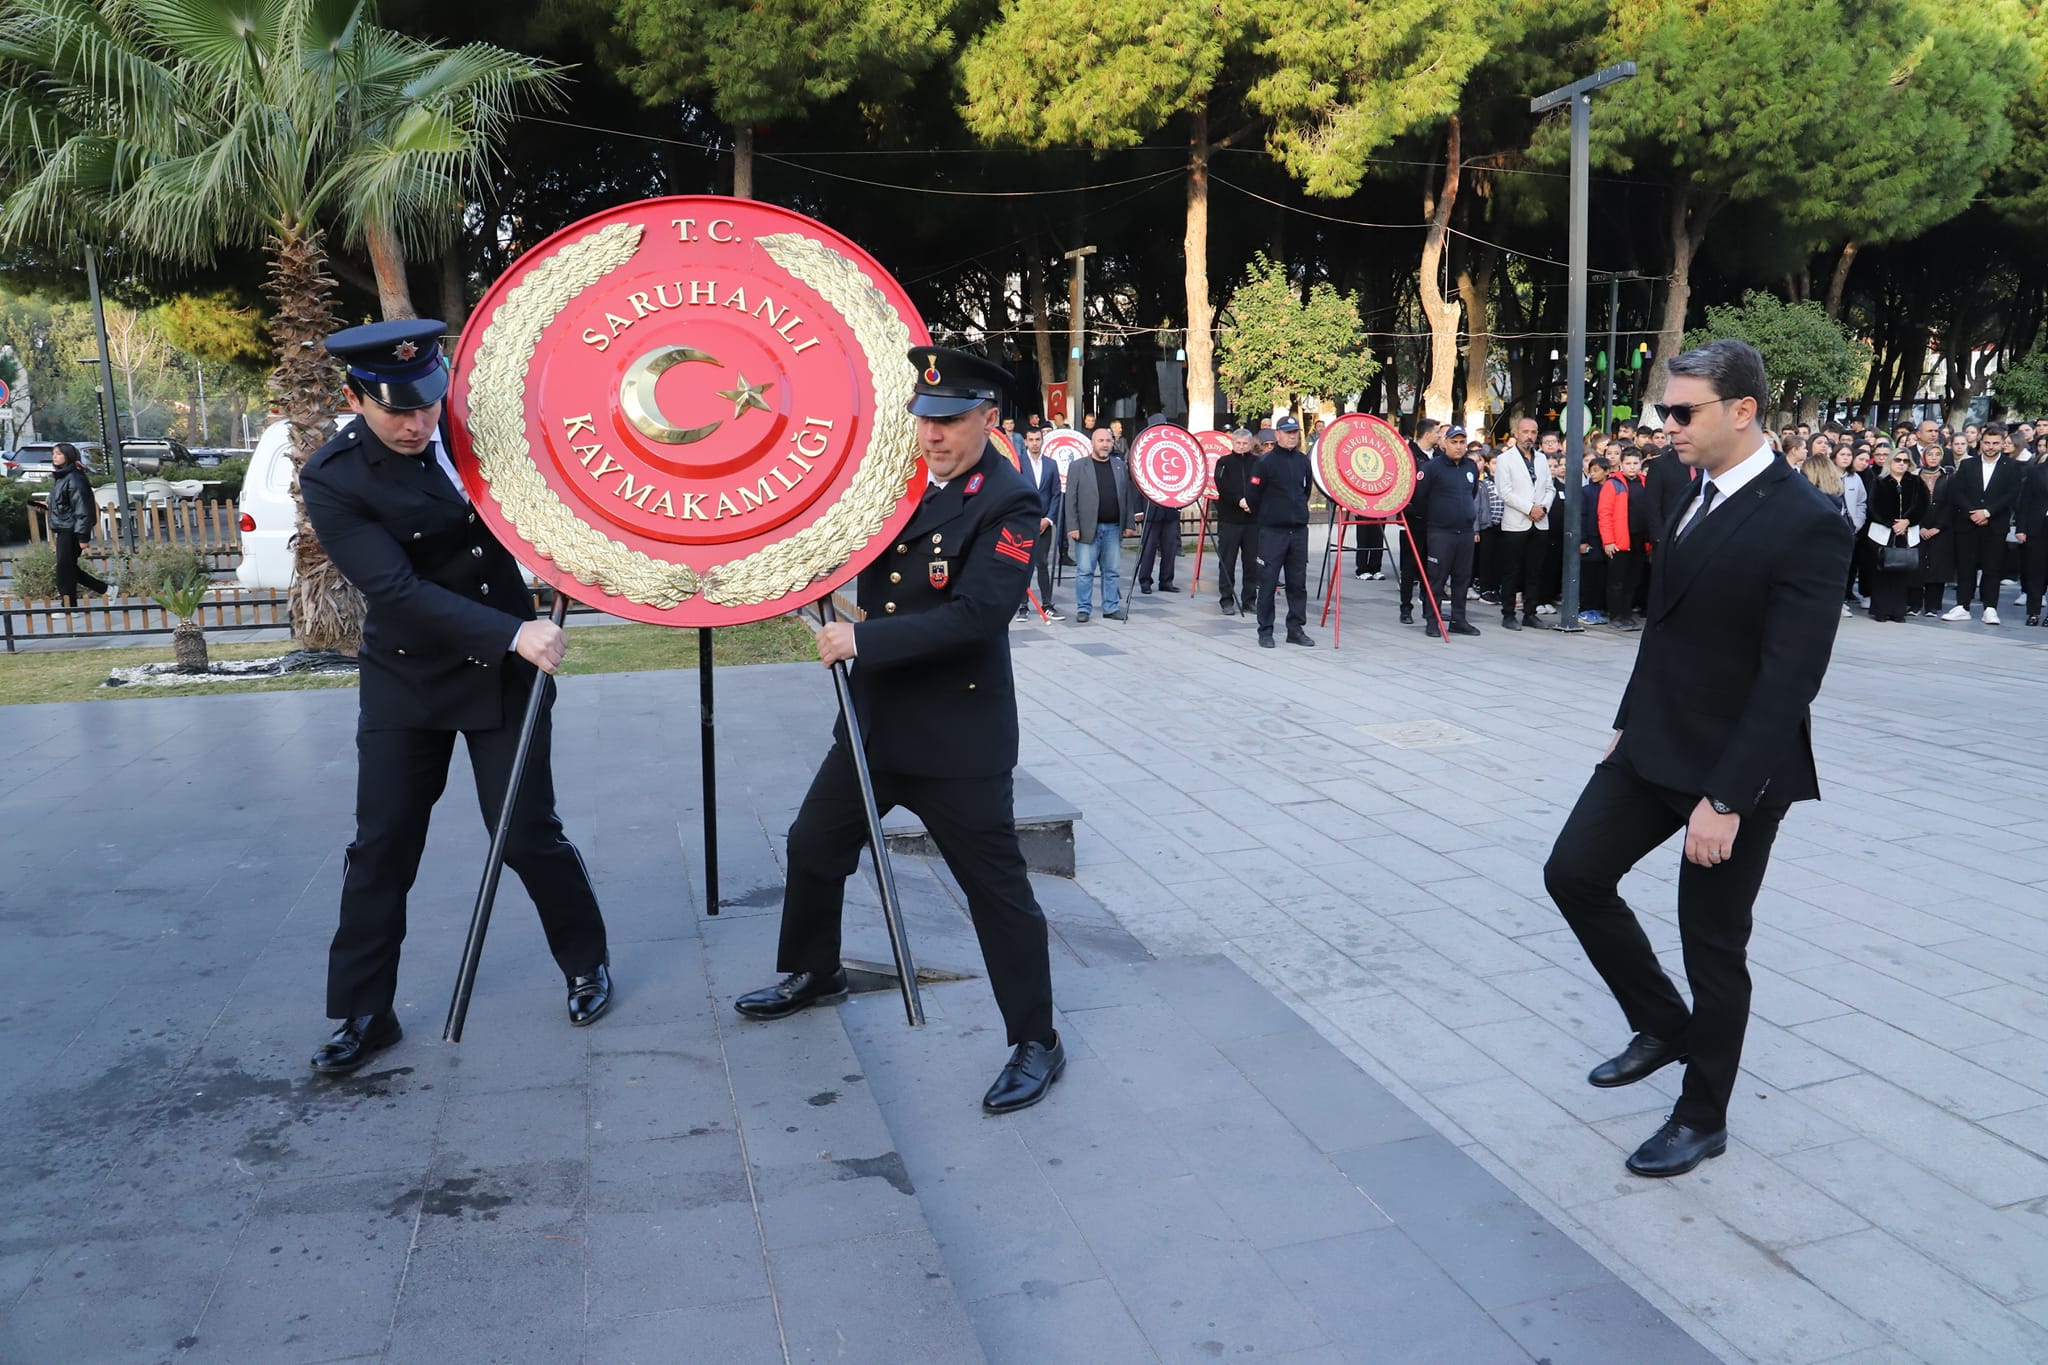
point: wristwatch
(1720, 807)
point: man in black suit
(1983, 493)
(1044, 475)
(938, 711)
(450, 645)
(1237, 527)
(1712, 737)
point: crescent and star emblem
(636, 395)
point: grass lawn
(77, 675)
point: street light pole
(110, 416)
(1580, 96)
(1077, 308)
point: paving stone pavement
(1212, 1179)
(1363, 830)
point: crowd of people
(1944, 520)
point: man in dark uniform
(1237, 529)
(1281, 483)
(938, 711)
(450, 645)
(1446, 504)
(1161, 538)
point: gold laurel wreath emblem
(505, 459)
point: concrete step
(1211, 1179)
(1045, 827)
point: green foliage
(182, 127)
(1806, 352)
(153, 565)
(2022, 387)
(1278, 346)
(213, 327)
(758, 60)
(14, 500)
(1334, 81)
(35, 572)
(179, 596)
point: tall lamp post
(1580, 95)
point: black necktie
(1707, 492)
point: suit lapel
(1686, 557)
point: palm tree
(178, 128)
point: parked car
(31, 463)
(150, 456)
(269, 516)
(207, 457)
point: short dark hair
(1424, 426)
(1733, 369)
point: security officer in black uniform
(938, 710)
(450, 645)
(1237, 528)
(1281, 482)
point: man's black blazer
(1668, 480)
(1968, 493)
(445, 598)
(931, 674)
(1742, 618)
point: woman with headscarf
(1896, 505)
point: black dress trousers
(971, 820)
(1283, 549)
(1237, 551)
(400, 774)
(1619, 819)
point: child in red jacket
(1624, 528)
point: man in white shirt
(1523, 480)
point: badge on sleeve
(1010, 545)
(973, 485)
(939, 572)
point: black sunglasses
(1681, 414)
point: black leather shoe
(1300, 637)
(1643, 1056)
(1229, 607)
(1081, 617)
(590, 996)
(1266, 640)
(1026, 1078)
(1407, 616)
(1675, 1149)
(1463, 628)
(1120, 614)
(2034, 620)
(1510, 623)
(1168, 587)
(1145, 589)
(356, 1041)
(1535, 623)
(1429, 628)
(798, 990)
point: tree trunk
(1689, 219)
(188, 647)
(454, 288)
(327, 611)
(387, 258)
(1839, 281)
(743, 161)
(1441, 312)
(1201, 310)
(1041, 335)
(1475, 283)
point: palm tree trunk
(454, 288)
(327, 611)
(1441, 312)
(1201, 310)
(387, 258)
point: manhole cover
(1420, 734)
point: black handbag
(1894, 558)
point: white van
(269, 516)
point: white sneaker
(1991, 616)
(1956, 614)
(1377, 577)
(1361, 574)
(1471, 594)
(1546, 610)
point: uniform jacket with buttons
(931, 674)
(445, 599)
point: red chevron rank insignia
(1013, 546)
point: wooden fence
(208, 527)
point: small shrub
(153, 566)
(14, 500)
(35, 572)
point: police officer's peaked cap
(952, 382)
(396, 363)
